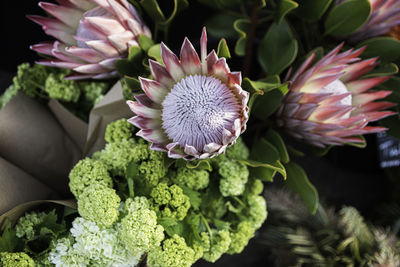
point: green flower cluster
(17, 259)
(173, 213)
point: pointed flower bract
(195, 107)
(91, 35)
(328, 103)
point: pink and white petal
(315, 98)
(106, 25)
(59, 63)
(362, 99)
(227, 137)
(221, 70)
(161, 74)
(290, 109)
(50, 23)
(172, 63)
(204, 156)
(145, 123)
(82, 4)
(189, 58)
(87, 54)
(69, 16)
(78, 76)
(158, 147)
(328, 112)
(104, 48)
(305, 111)
(377, 115)
(356, 70)
(43, 48)
(303, 67)
(360, 86)
(153, 89)
(105, 75)
(373, 106)
(211, 59)
(211, 147)
(235, 78)
(316, 85)
(191, 150)
(119, 11)
(144, 100)
(203, 51)
(144, 111)
(109, 63)
(120, 40)
(327, 127)
(333, 99)
(153, 135)
(90, 69)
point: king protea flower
(385, 14)
(194, 108)
(328, 103)
(91, 35)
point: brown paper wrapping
(39, 146)
(110, 108)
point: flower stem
(249, 44)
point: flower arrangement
(161, 158)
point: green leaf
(278, 49)
(259, 86)
(392, 84)
(312, 10)
(265, 105)
(132, 66)
(132, 170)
(298, 182)
(285, 6)
(194, 197)
(155, 53)
(347, 17)
(241, 26)
(50, 222)
(166, 222)
(383, 70)
(319, 151)
(133, 84)
(264, 161)
(179, 5)
(393, 123)
(386, 48)
(8, 240)
(200, 164)
(275, 139)
(153, 10)
(221, 4)
(145, 42)
(223, 50)
(221, 25)
(363, 144)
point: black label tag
(389, 150)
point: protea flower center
(197, 110)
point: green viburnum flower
(99, 204)
(18, 259)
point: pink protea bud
(91, 35)
(385, 14)
(329, 104)
(195, 107)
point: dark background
(345, 176)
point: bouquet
(141, 154)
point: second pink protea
(385, 14)
(328, 103)
(91, 35)
(194, 108)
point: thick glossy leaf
(260, 86)
(278, 49)
(275, 139)
(133, 84)
(132, 66)
(285, 6)
(145, 42)
(264, 161)
(383, 70)
(223, 49)
(394, 85)
(297, 181)
(266, 104)
(347, 17)
(312, 10)
(242, 27)
(221, 25)
(155, 53)
(386, 48)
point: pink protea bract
(328, 103)
(195, 107)
(91, 35)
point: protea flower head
(329, 104)
(195, 107)
(385, 14)
(91, 35)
